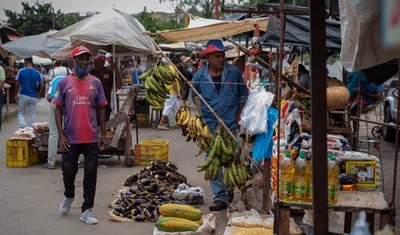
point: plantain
(146, 74)
(188, 116)
(206, 131)
(225, 178)
(205, 164)
(218, 145)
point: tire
(389, 134)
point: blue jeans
(53, 137)
(1, 105)
(23, 103)
(219, 188)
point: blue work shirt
(226, 102)
(369, 87)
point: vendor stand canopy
(37, 45)
(201, 29)
(297, 32)
(110, 28)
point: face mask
(81, 72)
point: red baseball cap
(212, 46)
(79, 51)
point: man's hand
(102, 144)
(16, 98)
(64, 144)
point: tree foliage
(40, 18)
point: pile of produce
(154, 81)
(148, 190)
(178, 218)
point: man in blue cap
(222, 87)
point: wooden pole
(208, 106)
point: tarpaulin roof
(201, 29)
(112, 27)
(40, 45)
(297, 32)
(361, 35)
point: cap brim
(83, 52)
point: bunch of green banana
(223, 148)
(154, 81)
(236, 175)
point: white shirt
(59, 71)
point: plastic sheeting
(201, 29)
(108, 28)
(362, 45)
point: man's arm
(41, 89)
(101, 113)
(17, 85)
(114, 67)
(62, 140)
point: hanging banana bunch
(154, 81)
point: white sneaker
(162, 127)
(88, 218)
(66, 205)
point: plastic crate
(21, 153)
(150, 150)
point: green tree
(39, 18)
(168, 22)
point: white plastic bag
(191, 195)
(254, 113)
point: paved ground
(31, 196)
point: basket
(21, 153)
(150, 150)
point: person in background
(80, 104)
(106, 77)
(58, 70)
(126, 73)
(369, 92)
(136, 72)
(26, 93)
(304, 77)
(172, 103)
(2, 82)
(221, 85)
(195, 67)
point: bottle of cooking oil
(310, 183)
(301, 175)
(333, 179)
(286, 178)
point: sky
(68, 6)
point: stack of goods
(26, 132)
(155, 81)
(40, 127)
(149, 189)
(178, 218)
(251, 222)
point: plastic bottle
(333, 179)
(301, 175)
(310, 184)
(361, 225)
(286, 178)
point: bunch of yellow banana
(236, 175)
(198, 131)
(154, 81)
(182, 116)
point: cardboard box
(365, 171)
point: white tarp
(109, 28)
(201, 29)
(38, 60)
(36, 45)
(362, 46)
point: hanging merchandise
(254, 113)
(263, 144)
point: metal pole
(318, 115)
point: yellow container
(365, 171)
(150, 150)
(21, 153)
